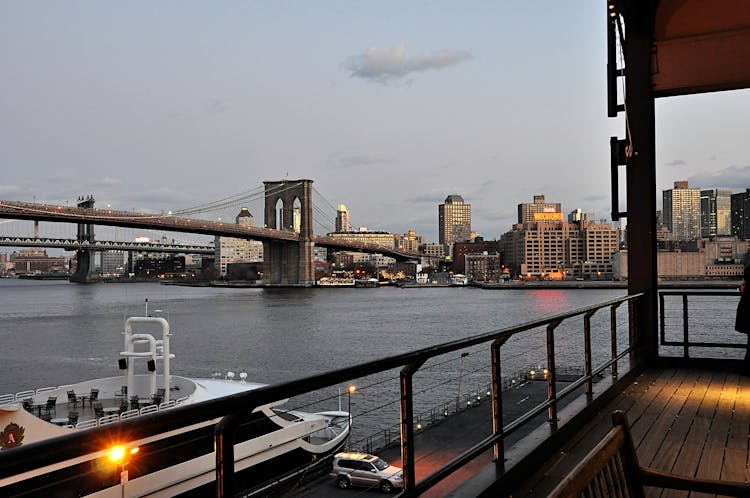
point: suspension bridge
(287, 246)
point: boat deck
(85, 410)
(693, 422)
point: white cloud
(8, 190)
(384, 65)
(366, 159)
(108, 182)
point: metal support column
(224, 446)
(407, 427)
(551, 373)
(497, 404)
(641, 170)
(613, 335)
(587, 354)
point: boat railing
(617, 335)
(695, 324)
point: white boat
(271, 444)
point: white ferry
(272, 443)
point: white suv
(362, 469)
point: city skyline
(387, 111)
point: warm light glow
(533, 373)
(116, 454)
(352, 388)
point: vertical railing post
(632, 332)
(407, 427)
(662, 326)
(587, 353)
(552, 375)
(224, 444)
(685, 352)
(497, 403)
(613, 335)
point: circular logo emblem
(11, 436)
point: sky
(389, 107)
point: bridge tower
(85, 269)
(289, 263)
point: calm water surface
(55, 332)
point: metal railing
(716, 317)
(232, 408)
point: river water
(55, 332)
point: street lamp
(349, 391)
(120, 457)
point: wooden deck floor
(691, 422)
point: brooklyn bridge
(287, 243)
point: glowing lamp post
(349, 391)
(121, 457)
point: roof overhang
(700, 46)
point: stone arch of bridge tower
(289, 263)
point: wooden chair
(72, 418)
(612, 469)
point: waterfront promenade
(690, 421)
(438, 443)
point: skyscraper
(716, 212)
(343, 222)
(229, 250)
(741, 215)
(454, 220)
(682, 211)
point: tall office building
(112, 263)
(682, 211)
(740, 217)
(454, 220)
(343, 221)
(229, 250)
(526, 211)
(715, 212)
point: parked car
(363, 469)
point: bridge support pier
(85, 264)
(289, 263)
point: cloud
(10, 192)
(108, 181)
(358, 160)
(595, 198)
(676, 162)
(428, 199)
(734, 177)
(382, 66)
(217, 106)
